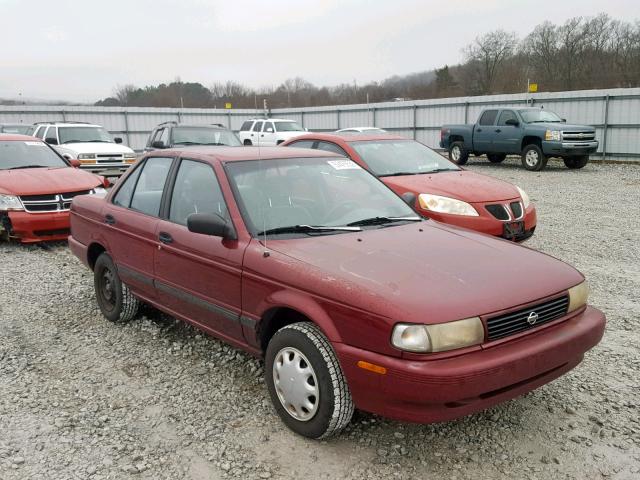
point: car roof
(67, 124)
(14, 137)
(350, 137)
(238, 154)
(270, 120)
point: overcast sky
(80, 50)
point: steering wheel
(348, 205)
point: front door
(255, 133)
(268, 137)
(198, 276)
(507, 137)
(483, 132)
(132, 221)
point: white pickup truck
(269, 132)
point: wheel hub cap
(296, 384)
(455, 153)
(531, 158)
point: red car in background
(444, 191)
(36, 189)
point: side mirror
(106, 182)
(75, 163)
(117, 140)
(512, 121)
(210, 224)
(51, 141)
(564, 120)
(409, 198)
(158, 144)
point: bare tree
(487, 54)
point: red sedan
(36, 189)
(305, 259)
(443, 190)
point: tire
(496, 157)
(248, 143)
(115, 300)
(533, 158)
(575, 163)
(458, 154)
(328, 408)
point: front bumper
(569, 148)
(38, 227)
(487, 223)
(443, 389)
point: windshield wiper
(307, 229)
(98, 141)
(382, 221)
(438, 170)
(72, 141)
(399, 174)
(27, 166)
(187, 143)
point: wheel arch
(530, 140)
(94, 250)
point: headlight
(552, 135)
(578, 296)
(439, 204)
(439, 337)
(130, 156)
(10, 202)
(99, 191)
(525, 198)
(87, 156)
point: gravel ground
(83, 398)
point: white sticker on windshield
(344, 164)
(37, 144)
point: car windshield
(19, 154)
(204, 136)
(539, 116)
(17, 129)
(83, 134)
(328, 194)
(288, 127)
(401, 157)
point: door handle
(109, 220)
(478, 130)
(164, 237)
(498, 130)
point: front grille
(498, 211)
(579, 136)
(516, 208)
(514, 322)
(115, 156)
(50, 203)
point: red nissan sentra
(305, 259)
(36, 189)
(444, 191)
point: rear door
(132, 221)
(483, 131)
(268, 135)
(198, 276)
(507, 137)
(255, 133)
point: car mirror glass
(117, 140)
(158, 144)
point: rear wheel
(115, 300)
(248, 143)
(458, 154)
(533, 158)
(305, 382)
(496, 157)
(574, 163)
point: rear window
(246, 126)
(488, 117)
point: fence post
(338, 118)
(373, 111)
(606, 127)
(466, 112)
(415, 122)
(302, 119)
(126, 127)
(64, 116)
(229, 120)
(179, 113)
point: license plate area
(513, 229)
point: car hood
(95, 147)
(464, 185)
(427, 272)
(41, 181)
(564, 127)
(289, 135)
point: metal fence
(615, 113)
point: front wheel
(575, 163)
(496, 157)
(458, 154)
(533, 158)
(115, 300)
(305, 382)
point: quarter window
(123, 195)
(148, 192)
(196, 191)
(488, 117)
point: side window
(258, 126)
(269, 125)
(302, 144)
(122, 197)
(488, 117)
(40, 132)
(196, 191)
(246, 126)
(148, 192)
(152, 137)
(506, 115)
(164, 136)
(52, 133)
(331, 147)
